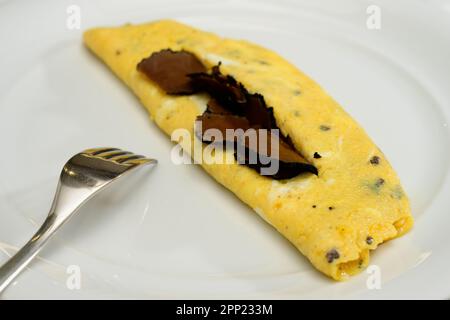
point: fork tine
(97, 151)
(140, 161)
(127, 157)
(118, 155)
(113, 154)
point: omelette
(344, 200)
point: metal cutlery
(83, 176)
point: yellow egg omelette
(334, 218)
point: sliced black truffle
(231, 107)
(257, 112)
(232, 96)
(290, 162)
(219, 122)
(171, 69)
(225, 89)
(214, 106)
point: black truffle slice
(257, 113)
(231, 107)
(232, 95)
(219, 122)
(225, 89)
(290, 162)
(213, 106)
(170, 70)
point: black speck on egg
(332, 255)
(379, 182)
(375, 160)
(376, 186)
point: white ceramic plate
(172, 232)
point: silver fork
(82, 177)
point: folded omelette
(334, 218)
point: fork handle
(16, 264)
